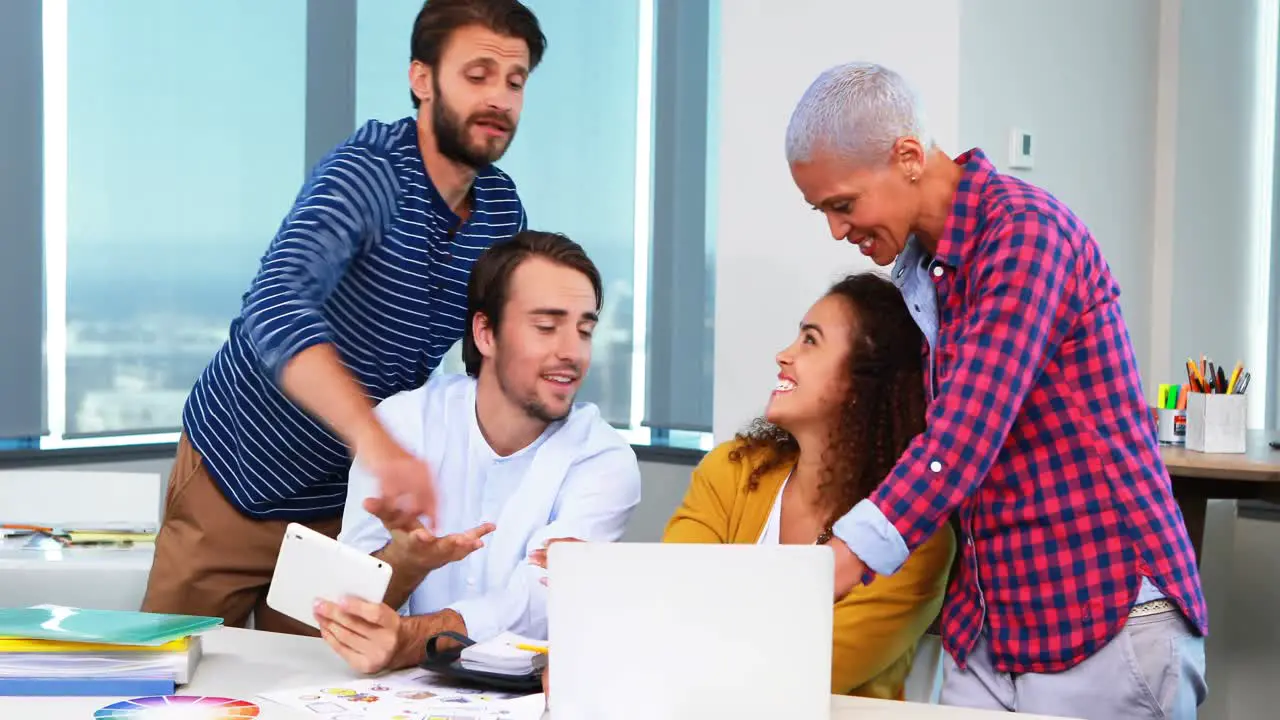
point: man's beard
(451, 133)
(530, 404)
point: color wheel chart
(179, 707)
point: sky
(186, 132)
(186, 129)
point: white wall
(774, 256)
(1212, 211)
(1091, 112)
(1149, 140)
(1204, 297)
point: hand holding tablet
(312, 566)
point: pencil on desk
(27, 528)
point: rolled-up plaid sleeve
(1018, 308)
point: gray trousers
(1154, 669)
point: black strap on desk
(433, 653)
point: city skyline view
(175, 188)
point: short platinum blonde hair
(857, 111)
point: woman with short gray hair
(1078, 592)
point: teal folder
(112, 627)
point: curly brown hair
(882, 411)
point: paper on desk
(412, 694)
(504, 655)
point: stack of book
(55, 650)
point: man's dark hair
(490, 282)
(438, 19)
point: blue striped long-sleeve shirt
(370, 259)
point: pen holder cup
(1171, 426)
(1216, 423)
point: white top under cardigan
(773, 526)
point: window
(682, 284)
(184, 149)
(1264, 279)
(573, 158)
(21, 220)
(175, 136)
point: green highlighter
(111, 627)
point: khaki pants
(213, 561)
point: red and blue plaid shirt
(1038, 438)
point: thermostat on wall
(1021, 150)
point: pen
(1235, 377)
(1244, 383)
(1222, 380)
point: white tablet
(313, 566)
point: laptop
(690, 631)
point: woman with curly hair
(849, 399)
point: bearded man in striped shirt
(358, 297)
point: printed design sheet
(412, 694)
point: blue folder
(85, 687)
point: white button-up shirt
(579, 479)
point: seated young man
(849, 399)
(517, 463)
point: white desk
(102, 578)
(241, 663)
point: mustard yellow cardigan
(877, 626)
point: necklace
(824, 537)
